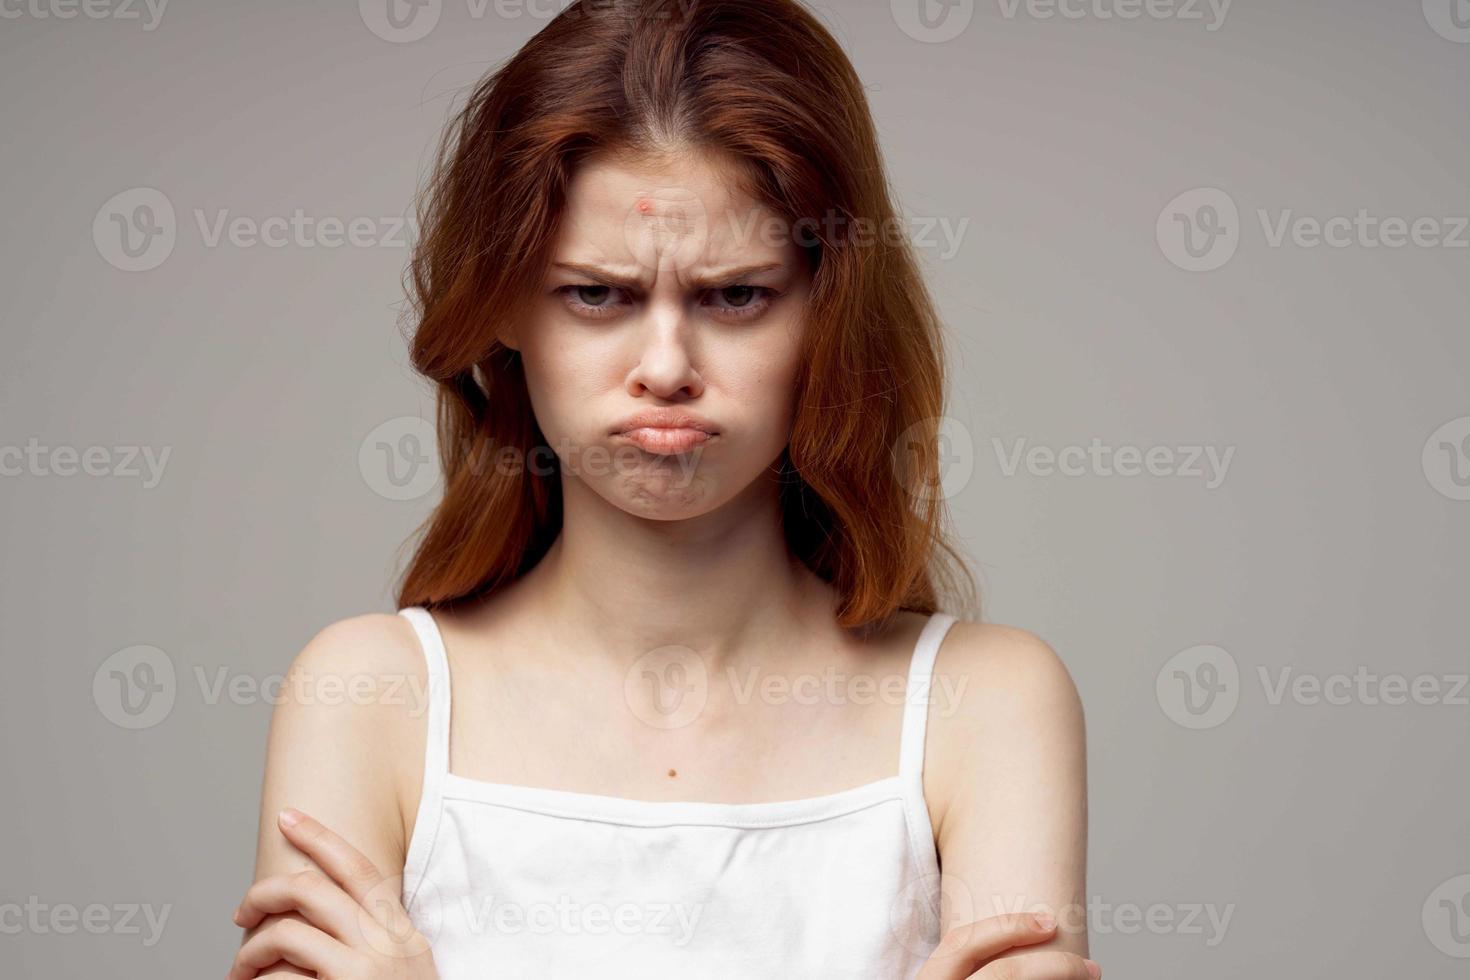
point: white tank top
(524, 883)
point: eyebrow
(720, 277)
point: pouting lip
(665, 419)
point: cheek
(761, 378)
(563, 373)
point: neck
(723, 584)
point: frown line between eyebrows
(712, 280)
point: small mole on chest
(673, 773)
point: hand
(346, 924)
(973, 950)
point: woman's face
(672, 293)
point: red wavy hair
(762, 81)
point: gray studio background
(1114, 202)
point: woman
(681, 699)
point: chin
(664, 492)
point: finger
(283, 969)
(280, 968)
(345, 864)
(1046, 964)
(378, 896)
(295, 942)
(965, 948)
(319, 899)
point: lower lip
(666, 442)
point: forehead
(685, 211)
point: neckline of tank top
(575, 804)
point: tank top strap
(917, 698)
(431, 642)
(436, 751)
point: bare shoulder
(1005, 662)
(1004, 707)
(346, 739)
(370, 643)
(363, 677)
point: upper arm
(346, 739)
(1009, 765)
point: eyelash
(759, 304)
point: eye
(740, 300)
(734, 302)
(592, 299)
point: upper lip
(665, 418)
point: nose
(664, 354)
